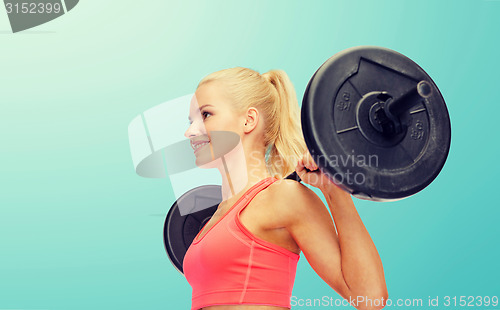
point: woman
(245, 257)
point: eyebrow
(205, 105)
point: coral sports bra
(229, 265)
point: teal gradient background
(80, 230)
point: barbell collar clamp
(385, 116)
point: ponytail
(288, 143)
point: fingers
(309, 162)
(301, 170)
(306, 162)
(300, 166)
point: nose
(195, 129)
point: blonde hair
(273, 95)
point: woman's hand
(314, 176)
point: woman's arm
(360, 262)
(342, 253)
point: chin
(204, 159)
(208, 165)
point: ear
(251, 119)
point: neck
(241, 170)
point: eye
(205, 114)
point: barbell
(373, 121)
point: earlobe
(247, 128)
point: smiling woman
(261, 109)
(245, 257)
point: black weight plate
(179, 230)
(366, 163)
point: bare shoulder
(293, 201)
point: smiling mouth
(198, 145)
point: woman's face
(215, 128)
